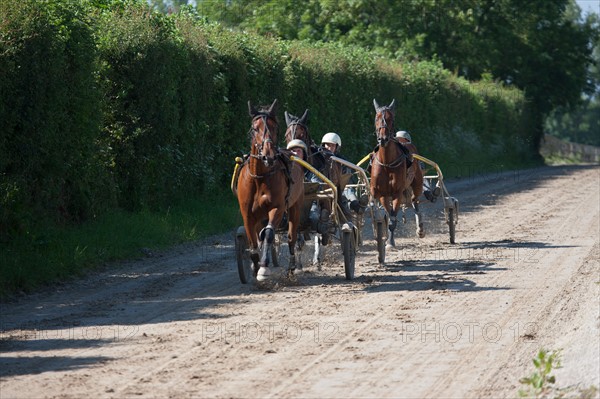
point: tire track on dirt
(182, 302)
(537, 293)
(506, 321)
(563, 310)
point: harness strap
(288, 176)
(398, 161)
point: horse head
(384, 122)
(297, 128)
(263, 131)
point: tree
(580, 124)
(168, 6)
(541, 46)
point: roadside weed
(539, 383)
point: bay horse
(297, 128)
(317, 157)
(268, 186)
(391, 177)
(319, 216)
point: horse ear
(392, 105)
(375, 104)
(272, 109)
(304, 117)
(251, 110)
(288, 120)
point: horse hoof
(421, 234)
(263, 274)
(389, 246)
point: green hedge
(50, 115)
(105, 104)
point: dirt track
(438, 320)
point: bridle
(265, 138)
(388, 130)
(293, 128)
(383, 141)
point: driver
(299, 149)
(429, 191)
(332, 142)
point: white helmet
(297, 143)
(403, 134)
(332, 138)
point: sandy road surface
(438, 320)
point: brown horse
(320, 159)
(268, 186)
(391, 179)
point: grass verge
(50, 254)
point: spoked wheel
(349, 250)
(244, 263)
(451, 225)
(380, 238)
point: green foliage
(49, 119)
(109, 105)
(168, 6)
(581, 123)
(542, 47)
(538, 384)
(541, 383)
(144, 68)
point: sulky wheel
(451, 225)
(242, 255)
(349, 250)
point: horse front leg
(393, 212)
(251, 227)
(317, 255)
(266, 238)
(392, 221)
(418, 219)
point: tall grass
(50, 254)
